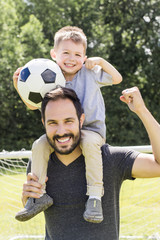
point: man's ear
(42, 121)
(53, 54)
(82, 119)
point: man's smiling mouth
(63, 140)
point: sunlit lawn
(10, 203)
(140, 208)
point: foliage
(133, 49)
(18, 45)
(124, 32)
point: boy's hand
(15, 77)
(106, 66)
(92, 62)
(15, 81)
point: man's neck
(69, 158)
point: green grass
(10, 203)
(140, 208)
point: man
(63, 118)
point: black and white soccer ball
(38, 77)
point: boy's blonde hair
(73, 33)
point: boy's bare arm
(106, 66)
(15, 80)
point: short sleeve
(120, 160)
(101, 77)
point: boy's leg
(91, 143)
(41, 151)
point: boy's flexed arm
(106, 66)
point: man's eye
(69, 121)
(52, 123)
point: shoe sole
(93, 219)
(26, 216)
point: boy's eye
(65, 52)
(78, 55)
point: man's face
(69, 56)
(62, 126)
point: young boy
(69, 52)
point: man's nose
(60, 130)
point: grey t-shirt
(87, 84)
(67, 187)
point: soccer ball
(38, 77)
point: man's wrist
(143, 112)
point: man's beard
(76, 141)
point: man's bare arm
(145, 165)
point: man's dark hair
(61, 93)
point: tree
(130, 38)
(126, 33)
(19, 126)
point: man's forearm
(153, 130)
(132, 97)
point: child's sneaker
(93, 212)
(33, 207)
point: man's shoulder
(115, 153)
(118, 161)
(108, 150)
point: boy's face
(69, 56)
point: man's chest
(66, 184)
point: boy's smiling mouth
(69, 65)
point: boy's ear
(53, 54)
(85, 58)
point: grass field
(10, 203)
(140, 209)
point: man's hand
(31, 188)
(132, 97)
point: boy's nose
(72, 57)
